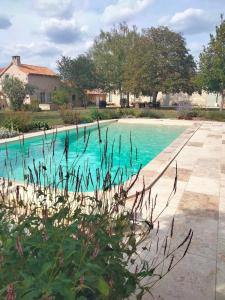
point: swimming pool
(86, 159)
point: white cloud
(63, 31)
(189, 21)
(123, 10)
(55, 8)
(32, 51)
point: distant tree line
(128, 61)
(146, 62)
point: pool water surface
(86, 159)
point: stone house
(44, 80)
(209, 100)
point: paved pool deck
(199, 204)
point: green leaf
(103, 287)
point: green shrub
(70, 116)
(98, 114)
(39, 126)
(215, 116)
(19, 120)
(86, 118)
(187, 114)
(33, 106)
(126, 112)
(149, 113)
(22, 121)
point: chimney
(16, 60)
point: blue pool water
(94, 157)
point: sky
(40, 31)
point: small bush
(187, 114)
(70, 116)
(216, 116)
(19, 121)
(33, 106)
(148, 113)
(22, 122)
(86, 119)
(39, 125)
(126, 112)
(97, 114)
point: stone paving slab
(199, 204)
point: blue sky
(40, 31)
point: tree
(61, 95)
(109, 53)
(79, 73)
(160, 62)
(211, 76)
(16, 91)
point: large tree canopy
(79, 72)
(160, 61)
(211, 75)
(110, 54)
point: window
(49, 98)
(73, 98)
(42, 97)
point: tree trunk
(128, 99)
(222, 100)
(154, 98)
(120, 97)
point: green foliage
(69, 260)
(33, 106)
(215, 116)
(148, 113)
(22, 121)
(79, 72)
(16, 91)
(186, 114)
(61, 96)
(109, 53)
(159, 61)
(19, 120)
(97, 114)
(38, 125)
(70, 116)
(211, 75)
(155, 60)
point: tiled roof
(1, 70)
(29, 69)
